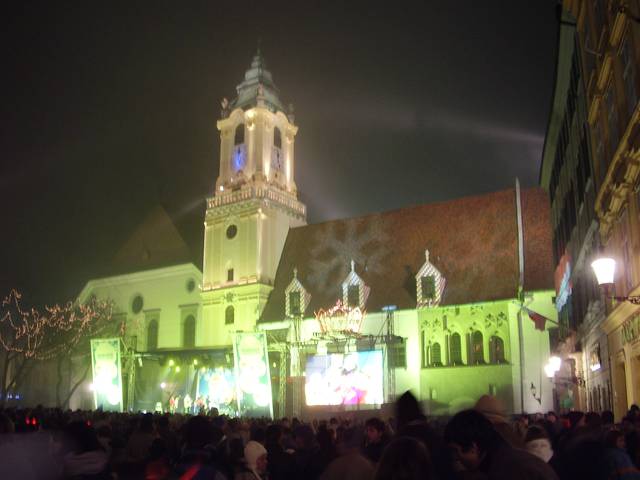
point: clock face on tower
(238, 158)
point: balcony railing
(249, 193)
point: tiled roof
(473, 241)
(155, 243)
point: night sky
(109, 110)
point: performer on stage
(187, 403)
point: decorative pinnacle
(353, 265)
(295, 272)
(426, 254)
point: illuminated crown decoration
(340, 319)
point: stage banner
(107, 377)
(253, 380)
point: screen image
(344, 379)
(216, 388)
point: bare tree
(28, 336)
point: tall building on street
(567, 175)
(608, 41)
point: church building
(342, 315)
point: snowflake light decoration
(365, 243)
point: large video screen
(216, 388)
(344, 379)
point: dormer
(354, 291)
(296, 297)
(429, 284)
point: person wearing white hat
(255, 458)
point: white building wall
(163, 291)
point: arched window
(152, 335)
(496, 350)
(189, 332)
(477, 349)
(455, 349)
(277, 138)
(229, 315)
(436, 357)
(239, 136)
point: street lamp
(605, 268)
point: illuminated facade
(438, 289)
(567, 175)
(609, 43)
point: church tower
(254, 204)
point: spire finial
(353, 265)
(295, 272)
(426, 254)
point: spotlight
(163, 385)
(178, 369)
(195, 361)
(171, 362)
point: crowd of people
(478, 443)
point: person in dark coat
(307, 462)
(350, 462)
(412, 423)
(480, 451)
(376, 439)
(405, 459)
(280, 464)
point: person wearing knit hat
(255, 457)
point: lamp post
(605, 268)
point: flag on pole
(538, 319)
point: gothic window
(455, 348)
(294, 303)
(277, 138)
(189, 332)
(428, 284)
(477, 349)
(496, 350)
(229, 315)
(353, 296)
(230, 275)
(239, 135)
(152, 335)
(436, 357)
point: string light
(59, 329)
(340, 319)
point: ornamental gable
(354, 291)
(296, 297)
(429, 284)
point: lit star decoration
(43, 336)
(340, 319)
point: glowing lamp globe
(555, 362)
(549, 371)
(605, 269)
